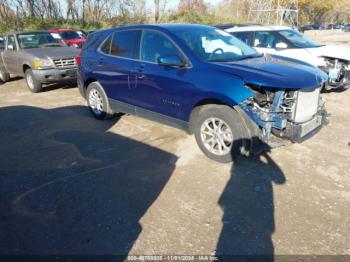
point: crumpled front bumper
(299, 132)
(55, 75)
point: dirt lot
(70, 184)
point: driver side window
(266, 40)
(11, 42)
(155, 45)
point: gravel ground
(70, 184)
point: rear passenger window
(106, 47)
(126, 44)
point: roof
(226, 26)
(169, 27)
(62, 30)
(28, 32)
(256, 28)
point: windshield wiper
(249, 56)
(220, 60)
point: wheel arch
(209, 100)
(87, 82)
(25, 67)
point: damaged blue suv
(203, 80)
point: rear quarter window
(94, 40)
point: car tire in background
(219, 132)
(4, 76)
(98, 102)
(33, 84)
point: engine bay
(338, 72)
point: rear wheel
(4, 76)
(33, 84)
(220, 132)
(98, 102)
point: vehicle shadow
(248, 206)
(12, 79)
(68, 186)
(60, 85)
(339, 89)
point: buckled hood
(275, 71)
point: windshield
(298, 39)
(38, 40)
(214, 45)
(70, 35)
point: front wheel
(220, 132)
(33, 84)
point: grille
(65, 62)
(306, 105)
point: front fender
(226, 89)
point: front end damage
(338, 71)
(286, 114)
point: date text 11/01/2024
(172, 258)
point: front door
(11, 55)
(159, 88)
(268, 42)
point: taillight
(78, 59)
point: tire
(4, 76)
(220, 132)
(33, 84)
(98, 102)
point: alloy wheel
(96, 102)
(217, 136)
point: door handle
(140, 76)
(100, 62)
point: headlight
(321, 61)
(42, 63)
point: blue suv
(203, 80)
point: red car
(73, 38)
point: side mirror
(281, 46)
(173, 60)
(10, 47)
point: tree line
(96, 14)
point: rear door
(118, 58)
(10, 55)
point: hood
(335, 51)
(53, 52)
(274, 71)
